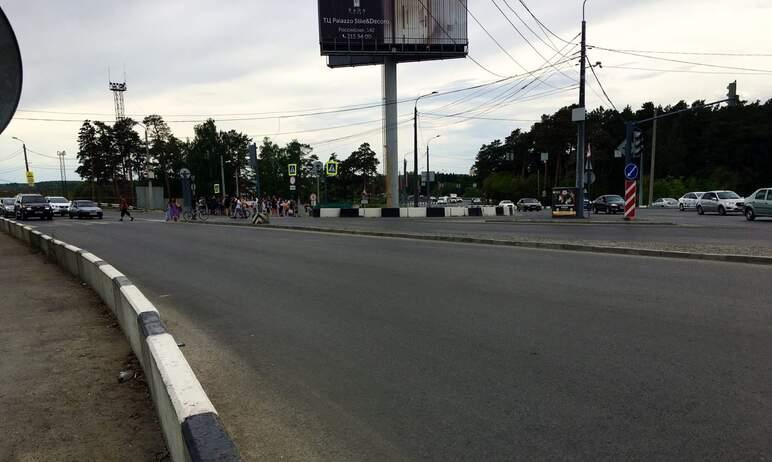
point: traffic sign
(630, 187)
(217, 188)
(589, 177)
(332, 168)
(292, 180)
(30, 179)
(631, 172)
(313, 199)
(184, 173)
(293, 169)
(293, 187)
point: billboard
(364, 31)
(564, 202)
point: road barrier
(408, 212)
(192, 429)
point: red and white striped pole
(630, 188)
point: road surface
(330, 347)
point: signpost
(30, 179)
(217, 188)
(331, 168)
(293, 170)
(631, 185)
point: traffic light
(732, 99)
(637, 144)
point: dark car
(609, 204)
(84, 209)
(32, 205)
(7, 210)
(529, 205)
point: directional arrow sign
(631, 172)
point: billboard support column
(390, 131)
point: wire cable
(542, 25)
(696, 53)
(538, 37)
(716, 66)
(592, 68)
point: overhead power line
(693, 63)
(697, 53)
(538, 37)
(682, 71)
(592, 68)
(543, 26)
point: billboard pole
(390, 131)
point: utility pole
(416, 189)
(581, 133)
(428, 175)
(653, 158)
(222, 176)
(24, 148)
(149, 173)
(405, 178)
(60, 154)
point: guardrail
(192, 429)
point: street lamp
(24, 147)
(149, 173)
(428, 175)
(416, 190)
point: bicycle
(196, 214)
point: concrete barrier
(190, 424)
(370, 213)
(416, 212)
(456, 212)
(489, 211)
(329, 213)
(390, 212)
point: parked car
(32, 205)
(721, 202)
(759, 204)
(476, 202)
(689, 200)
(7, 207)
(665, 203)
(610, 203)
(507, 204)
(442, 200)
(84, 209)
(59, 204)
(529, 205)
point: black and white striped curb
(414, 212)
(190, 424)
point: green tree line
(701, 149)
(112, 158)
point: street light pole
(24, 148)
(416, 189)
(428, 176)
(581, 128)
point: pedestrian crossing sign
(293, 169)
(331, 167)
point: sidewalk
(60, 355)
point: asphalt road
(326, 347)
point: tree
(361, 163)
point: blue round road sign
(631, 172)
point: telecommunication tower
(118, 88)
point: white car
(60, 205)
(456, 200)
(721, 202)
(689, 200)
(507, 204)
(442, 200)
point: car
(59, 204)
(32, 205)
(507, 204)
(665, 203)
(720, 202)
(610, 203)
(759, 204)
(442, 200)
(476, 202)
(7, 207)
(689, 200)
(456, 200)
(84, 209)
(529, 205)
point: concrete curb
(190, 424)
(750, 259)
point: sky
(234, 59)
